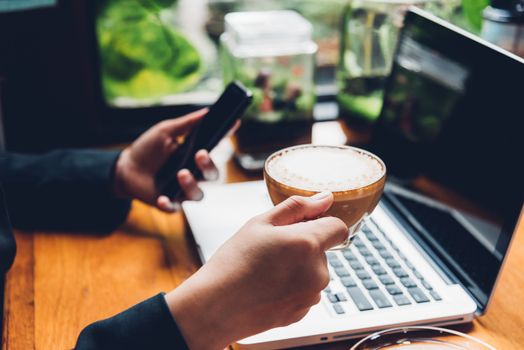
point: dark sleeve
(148, 325)
(62, 190)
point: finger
(206, 165)
(164, 203)
(234, 128)
(313, 300)
(182, 125)
(189, 185)
(296, 209)
(328, 231)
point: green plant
(142, 57)
(473, 12)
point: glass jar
(421, 337)
(504, 25)
(272, 53)
(369, 35)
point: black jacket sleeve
(62, 190)
(72, 191)
(148, 325)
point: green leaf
(120, 10)
(142, 57)
(157, 5)
(185, 58)
(473, 12)
(117, 65)
(143, 41)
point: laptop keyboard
(373, 274)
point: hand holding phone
(205, 135)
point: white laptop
(416, 261)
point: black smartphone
(221, 117)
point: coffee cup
(355, 177)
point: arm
(148, 325)
(62, 190)
(267, 275)
(91, 190)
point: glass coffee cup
(355, 177)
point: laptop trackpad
(223, 211)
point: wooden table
(62, 282)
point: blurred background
(83, 73)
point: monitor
(453, 114)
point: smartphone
(221, 117)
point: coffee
(354, 176)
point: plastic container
(272, 53)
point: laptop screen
(453, 113)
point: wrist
(200, 316)
(119, 175)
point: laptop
(451, 115)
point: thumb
(182, 125)
(296, 209)
(328, 231)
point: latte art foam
(318, 168)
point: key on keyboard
(418, 295)
(366, 230)
(348, 281)
(341, 296)
(370, 284)
(401, 300)
(391, 262)
(435, 295)
(371, 260)
(371, 237)
(363, 275)
(399, 272)
(341, 272)
(407, 282)
(355, 265)
(379, 270)
(349, 255)
(386, 279)
(417, 274)
(338, 309)
(364, 251)
(359, 299)
(335, 263)
(331, 255)
(427, 285)
(378, 245)
(357, 242)
(379, 298)
(332, 297)
(393, 289)
(385, 254)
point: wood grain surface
(61, 282)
